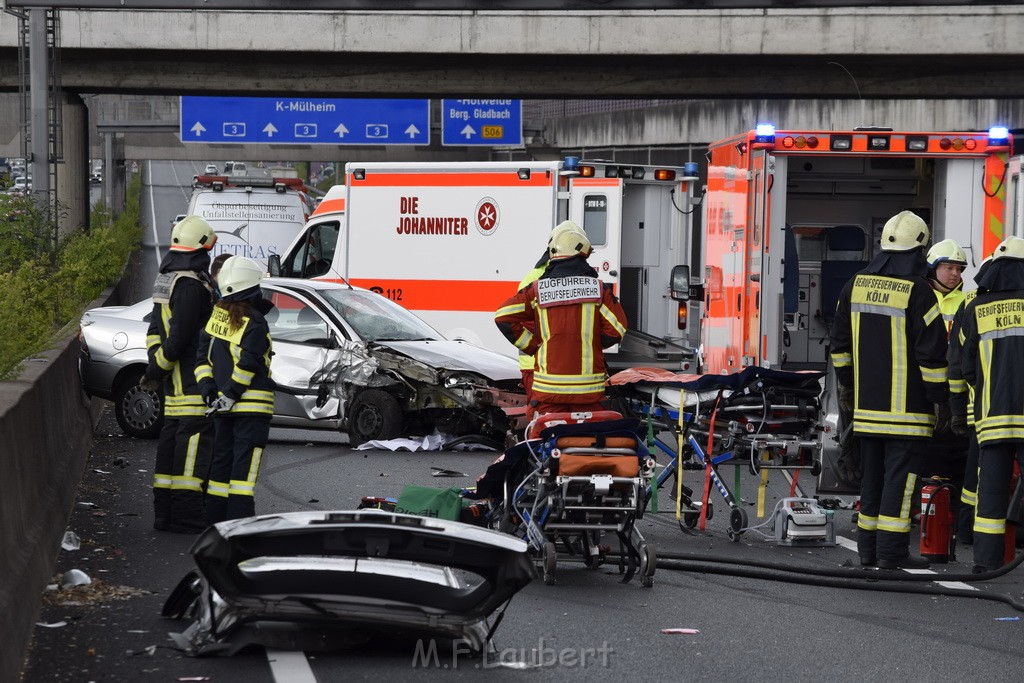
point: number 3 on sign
(493, 132)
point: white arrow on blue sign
(482, 122)
(317, 121)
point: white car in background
(211, 169)
(344, 359)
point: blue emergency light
(571, 163)
(764, 133)
(998, 135)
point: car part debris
(75, 577)
(71, 541)
(329, 580)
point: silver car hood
(324, 579)
(459, 356)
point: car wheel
(140, 413)
(375, 416)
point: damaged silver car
(330, 580)
(344, 358)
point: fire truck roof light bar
(998, 135)
(764, 133)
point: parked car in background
(344, 359)
(22, 184)
(177, 219)
(211, 169)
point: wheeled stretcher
(575, 479)
(759, 419)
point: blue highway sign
(482, 122)
(305, 121)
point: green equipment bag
(430, 502)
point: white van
(253, 217)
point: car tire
(375, 416)
(139, 413)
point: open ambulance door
(596, 205)
(1014, 224)
(766, 252)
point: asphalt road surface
(749, 629)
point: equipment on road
(800, 521)
(938, 524)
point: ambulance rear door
(596, 205)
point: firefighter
(946, 265)
(182, 300)
(991, 362)
(948, 455)
(889, 351)
(233, 371)
(526, 360)
(961, 402)
(574, 317)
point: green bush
(41, 288)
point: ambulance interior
(834, 208)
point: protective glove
(208, 390)
(150, 384)
(221, 405)
(943, 417)
(958, 425)
(846, 399)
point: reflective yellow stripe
(969, 497)
(908, 497)
(867, 523)
(587, 339)
(842, 360)
(162, 481)
(989, 525)
(162, 361)
(895, 525)
(204, 372)
(935, 375)
(958, 386)
(511, 309)
(607, 314)
(932, 314)
(187, 484)
(524, 340)
(218, 488)
(243, 377)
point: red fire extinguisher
(938, 542)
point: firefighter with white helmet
(889, 351)
(182, 300)
(946, 264)
(565, 319)
(233, 370)
(990, 362)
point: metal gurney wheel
(648, 564)
(692, 516)
(737, 523)
(549, 561)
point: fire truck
(791, 215)
(452, 241)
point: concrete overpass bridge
(712, 71)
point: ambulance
(451, 241)
(790, 216)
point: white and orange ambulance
(451, 241)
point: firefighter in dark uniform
(233, 371)
(961, 403)
(889, 351)
(573, 318)
(991, 361)
(182, 300)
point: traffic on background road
(723, 559)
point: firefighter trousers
(237, 454)
(886, 493)
(969, 492)
(995, 474)
(183, 453)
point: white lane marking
(152, 212)
(852, 545)
(290, 667)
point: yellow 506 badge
(493, 131)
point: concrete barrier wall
(46, 429)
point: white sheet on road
(430, 442)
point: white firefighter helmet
(192, 233)
(568, 239)
(239, 274)
(904, 232)
(1011, 247)
(948, 251)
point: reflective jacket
(525, 359)
(992, 360)
(889, 343)
(238, 360)
(949, 303)
(575, 317)
(961, 394)
(182, 300)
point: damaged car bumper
(328, 580)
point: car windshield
(376, 318)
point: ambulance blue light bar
(998, 135)
(764, 133)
